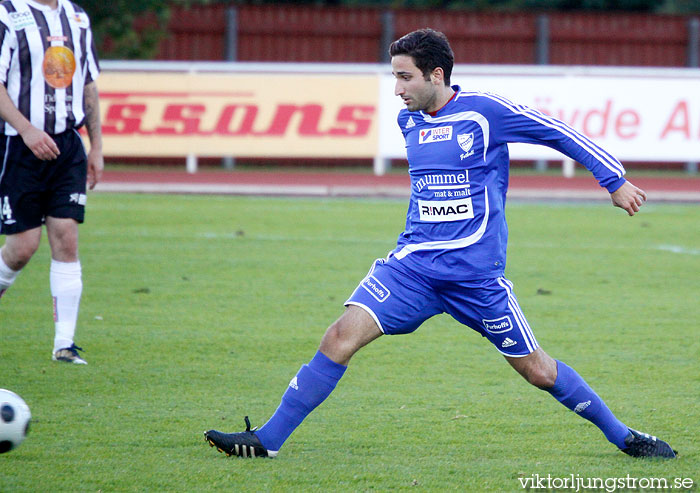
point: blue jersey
(459, 163)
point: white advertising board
(349, 110)
(636, 114)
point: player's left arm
(95, 159)
(520, 123)
(629, 198)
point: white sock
(66, 287)
(7, 275)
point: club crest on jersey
(466, 141)
(498, 325)
(81, 19)
(438, 134)
(20, 20)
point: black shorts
(31, 189)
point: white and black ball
(14, 420)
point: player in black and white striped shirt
(48, 68)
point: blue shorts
(399, 301)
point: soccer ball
(14, 420)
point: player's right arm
(36, 139)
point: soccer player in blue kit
(451, 256)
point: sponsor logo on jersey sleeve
(21, 20)
(445, 210)
(81, 20)
(438, 134)
(498, 325)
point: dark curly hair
(429, 50)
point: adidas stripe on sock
(310, 387)
(574, 393)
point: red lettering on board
(679, 121)
(123, 119)
(182, 119)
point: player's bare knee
(541, 377)
(336, 343)
(540, 373)
(347, 335)
(538, 368)
(63, 238)
(330, 338)
(64, 254)
(18, 254)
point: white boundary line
(366, 191)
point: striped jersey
(47, 57)
(459, 165)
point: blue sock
(573, 392)
(306, 391)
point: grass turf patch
(198, 310)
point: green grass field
(198, 310)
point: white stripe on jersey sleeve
(9, 44)
(584, 142)
(37, 84)
(92, 66)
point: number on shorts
(6, 211)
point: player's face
(416, 92)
